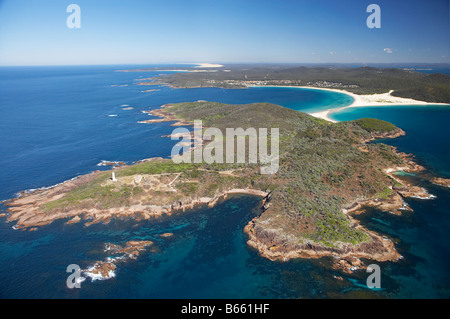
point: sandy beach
(208, 65)
(204, 65)
(383, 99)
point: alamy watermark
(373, 20)
(207, 146)
(75, 279)
(74, 19)
(374, 280)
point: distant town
(324, 84)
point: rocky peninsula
(327, 172)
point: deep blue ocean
(60, 122)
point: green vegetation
(364, 80)
(375, 125)
(385, 193)
(156, 167)
(434, 88)
(188, 188)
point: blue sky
(34, 32)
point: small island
(327, 171)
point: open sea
(57, 123)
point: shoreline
(369, 100)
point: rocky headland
(156, 187)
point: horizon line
(222, 63)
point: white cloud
(388, 50)
(332, 53)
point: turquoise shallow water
(55, 124)
(427, 130)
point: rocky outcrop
(441, 181)
(105, 269)
(165, 117)
(394, 204)
(111, 163)
(101, 270)
(275, 247)
(382, 135)
(414, 192)
(410, 163)
(166, 235)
